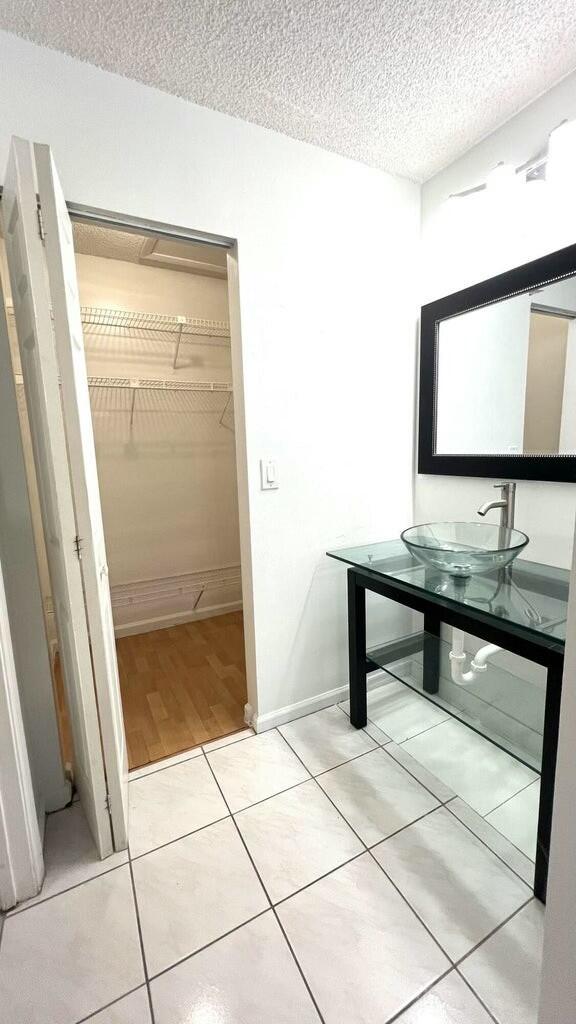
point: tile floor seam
(517, 848)
(350, 826)
(184, 760)
(369, 851)
(415, 912)
(107, 1006)
(241, 837)
(480, 840)
(308, 885)
(429, 729)
(479, 998)
(164, 767)
(416, 999)
(413, 690)
(340, 764)
(141, 940)
(461, 959)
(177, 839)
(346, 715)
(337, 809)
(265, 890)
(412, 775)
(309, 714)
(213, 942)
(46, 899)
(513, 797)
(299, 966)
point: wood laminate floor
(180, 687)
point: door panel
(30, 295)
(63, 285)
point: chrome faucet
(506, 504)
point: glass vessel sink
(464, 549)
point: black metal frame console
(525, 643)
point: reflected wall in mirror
(498, 375)
(507, 376)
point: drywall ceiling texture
(405, 87)
(328, 344)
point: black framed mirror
(498, 375)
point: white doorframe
(122, 222)
(251, 711)
(558, 990)
(21, 860)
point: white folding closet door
(63, 284)
(31, 298)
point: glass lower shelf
(500, 705)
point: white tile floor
(312, 873)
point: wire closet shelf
(182, 327)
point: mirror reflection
(506, 376)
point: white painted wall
(328, 342)
(470, 239)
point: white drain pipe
(458, 660)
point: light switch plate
(268, 475)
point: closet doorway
(157, 344)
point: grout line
(424, 992)
(177, 839)
(21, 909)
(508, 799)
(164, 767)
(264, 889)
(460, 960)
(409, 905)
(369, 851)
(95, 1013)
(308, 885)
(141, 939)
(475, 994)
(415, 777)
(297, 962)
(480, 840)
(207, 945)
(198, 751)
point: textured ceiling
(148, 250)
(403, 85)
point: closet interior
(157, 346)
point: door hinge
(41, 230)
(78, 545)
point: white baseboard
(175, 619)
(270, 720)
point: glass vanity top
(526, 594)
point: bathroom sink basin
(463, 549)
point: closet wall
(168, 478)
(166, 458)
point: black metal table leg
(549, 750)
(357, 650)
(431, 653)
